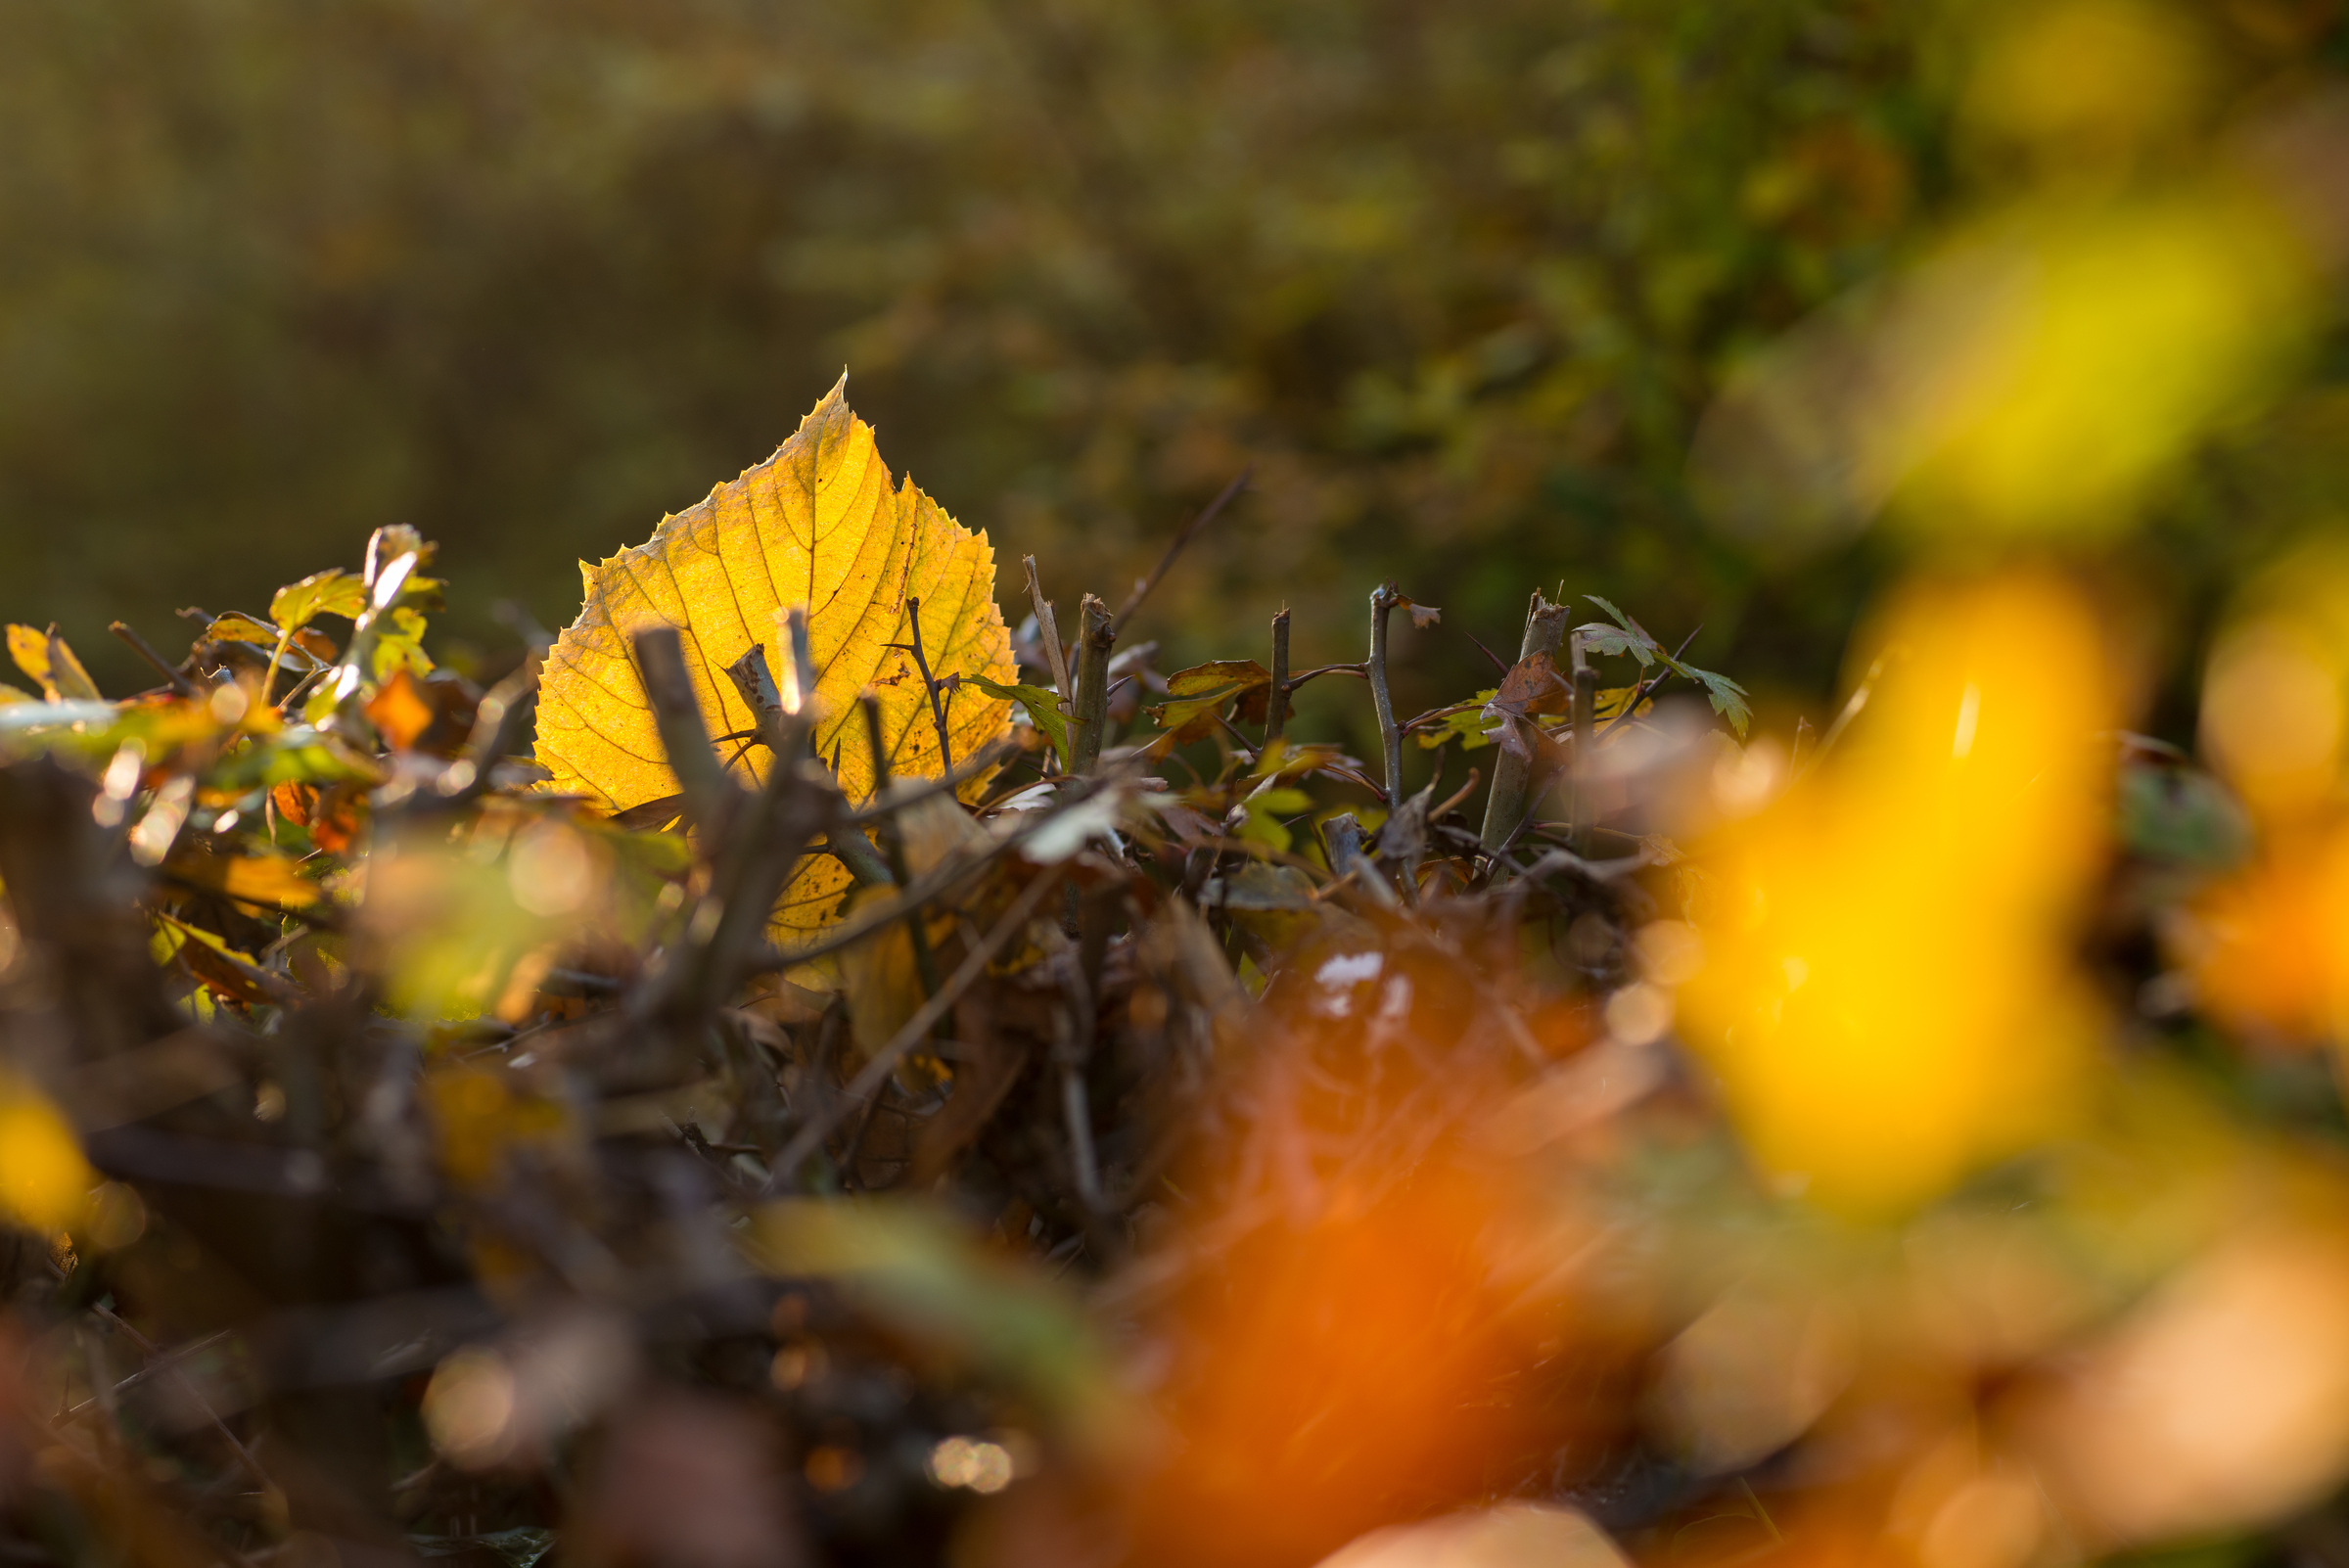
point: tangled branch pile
(805, 1115)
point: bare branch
(1100, 635)
(144, 650)
(916, 1029)
(1545, 626)
(1054, 654)
(1141, 589)
(1383, 600)
(1277, 700)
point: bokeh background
(1461, 279)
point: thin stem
(140, 646)
(1141, 589)
(852, 848)
(1585, 750)
(1545, 626)
(1383, 600)
(1098, 637)
(1049, 631)
(976, 764)
(1277, 700)
(892, 844)
(938, 709)
(912, 1033)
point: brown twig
(202, 1407)
(1277, 700)
(1049, 632)
(1318, 670)
(710, 794)
(893, 845)
(1141, 589)
(1545, 626)
(1585, 748)
(911, 794)
(144, 650)
(1093, 644)
(912, 1031)
(939, 880)
(1383, 600)
(930, 684)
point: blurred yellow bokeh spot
(44, 1180)
(1887, 993)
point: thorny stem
(144, 650)
(1545, 626)
(1383, 600)
(930, 684)
(1277, 700)
(912, 1033)
(854, 851)
(246, 1461)
(1099, 636)
(935, 883)
(973, 765)
(892, 843)
(1141, 589)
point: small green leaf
(1041, 705)
(400, 645)
(1727, 698)
(1619, 617)
(321, 593)
(1600, 638)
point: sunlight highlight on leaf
(820, 523)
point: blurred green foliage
(1457, 278)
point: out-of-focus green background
(1459, 276)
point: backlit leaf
(321, 593)
(1195, 696)
(821, 522)
(44, 656)
(267, 880)
(1042, 708)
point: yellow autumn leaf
(44, 656)
(44, 1180)
(821, 524)
(267, 880)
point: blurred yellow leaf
(44, 1180)
(2038, 374)
(1887, 991)
(263, 879)
(44, 656)
(818, 524)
